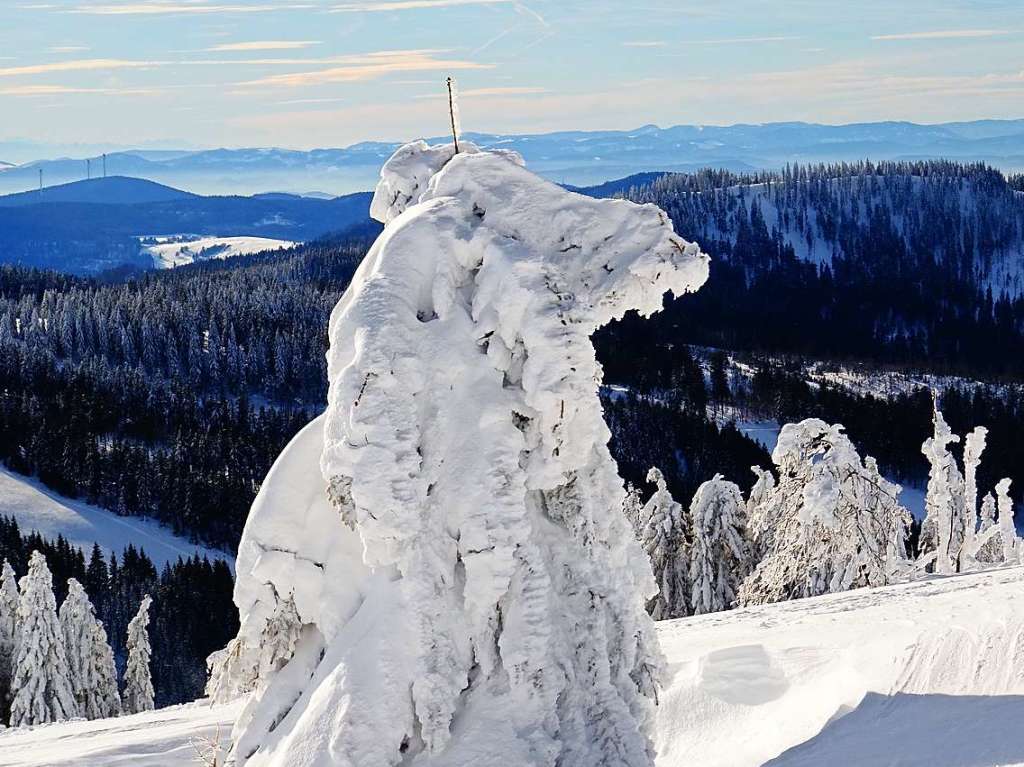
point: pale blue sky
(306, 73)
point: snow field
(927, 674)
(178, 252)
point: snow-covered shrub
(836, 522)
(138, 685)
(493, 615)
(41, 688)
(663, 533)
(720, 553)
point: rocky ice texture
(486, 606)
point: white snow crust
(923, 673)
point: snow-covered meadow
(928, 673)
(170, 251)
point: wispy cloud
(645, 43)
(68, 48)
(945, 34)
(407, 5)
(80, 65)
(53, 90)
(740, 40)
(370, 67)
(512, 90)
(266, 45)
(291, 102)
(177, 8)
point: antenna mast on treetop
(453, 112)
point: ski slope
(40, 509)
(927, 674)
(169, 252)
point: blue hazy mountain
(114, 190)
(570, 157)
(90, 226)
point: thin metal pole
(451, 115)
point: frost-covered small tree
(943, 530)
(720, 553)
(955, 536)
(631, 506)
(8, 635)
(138, 685)
(90, 660)
(234, 671)
(663, 535)
(974, 446)
(279, 637)
(761, 520)
(1012, 548)
(836, 522)
(42, 692)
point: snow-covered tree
(631, 506)
(942, 532)
(90, 660)
(41, 688)
(761, 527)
(234, 671)
(501, 621)
(720, 553)
(955, 536)
(664, 537)
(106, 701)
(138, 686)
(1012, 548)
(8, 635)
(836, 522)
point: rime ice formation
(484, 604)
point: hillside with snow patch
(41, 510)
(171, 251)
(925, 674)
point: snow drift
(493, 614)
(916, 675)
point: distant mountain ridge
(90, 226)
(581, 158)
(114, 190)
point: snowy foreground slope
(929, 673)
(41, 510)
(167, 737)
